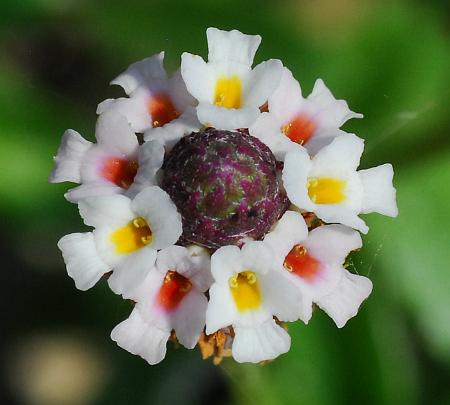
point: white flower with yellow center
(312, 122)
(228, 90)
(116, 164)
(314, 264)
(171, 299)
(247, 294)
(157, 105)
(329, 185)
(127, 235)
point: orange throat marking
(300, 129)
(300, 263)
(174, 288)
(162, 110)
(119, 171)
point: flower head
(228, 90)
(127, 235)
(330, 186)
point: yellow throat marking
(228, 92)
(133, 236)
(245, 291)
(326, 190)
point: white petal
(343, 154)
(69, 158)
(287, 99)
(94, 189)
(257, 256)
(112, 129)
(379, 193)
(297, 166)
(267, 129)
(140, 338)
(231, 45)
(178, 92)
(113, 210)
(161, 214)
(330, 113)
(221, 311)
(134, 109)
(332, 243)
(189, 319)
(282, 299)
(226, 118)
(173, 131)
(320, 139)
(199, 77)
(340, 214)
(132, 271)
(261, 342)
(82, 260)
(224, 262)
(289, 231)
(343, 303)
(261, 82)
(150, 160)
(148, 72)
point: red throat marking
(162, 110)
(300, 263)
(120, 171)
(175, 287)
(300, 129)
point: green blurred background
(389, 59)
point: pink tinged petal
(289, 231)
(221, 311)
(257, 256)
(89, 190)
(329, 112)
(188, 320)
(150, 160)
(297, 166)
(132, 271)
(379, 192)
(261, 342)
(331, 244)
(286, 102)
(133, 109)
(69, 158)
(161, 214)
(82, 260)
(114, 210)
(140, 338)
(343, 303)
(199, 77)
(343, 154)
(267, 130)
(148, 72)
(173, 131)
(113, 131)
(261, 82)
(231, 46)
(282, 299)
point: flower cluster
(222, 202)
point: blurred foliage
(389, 60)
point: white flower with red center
(116, 164)
(127, 235)
(330, 186)
(171, 299)
(228, 90)
(247, 294)
(314, 264)
(312, 122)
(157, 105)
